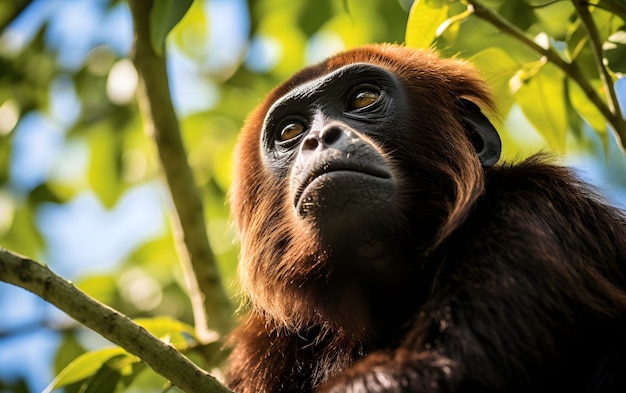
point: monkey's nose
(327, 137)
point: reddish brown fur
(271, 239)
(518, 263)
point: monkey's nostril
(331, 135)
(310, 143)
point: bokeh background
(80, 184)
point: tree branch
(16, 9)
(582, 8)
(112, 325)
(618, 125)
(212, 307)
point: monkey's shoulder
(535, 204)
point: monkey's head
(350, 166)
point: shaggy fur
(514, 275)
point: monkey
(386, 248)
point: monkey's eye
(291, 130)
(363, 98)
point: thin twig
(112, 325)
(582, 8)
(211, 306)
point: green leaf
(576, 39)
(86, 365)
(450, 27)
(100, 286)
(103, 381)
(104, 166)
(115, 373)
(615, 51)
(23, 234)
(498, 68)
(68, 350)
(425, 18)
(586, 108)
(551, 18)
(574, 120)
(519, 13)
(177, 333)
(615, 6)
(541, 99)
(165, 14)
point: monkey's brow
(316, 86)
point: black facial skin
(325, 137)
(331, 139)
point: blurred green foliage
(105, 152)
(550, 99)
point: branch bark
(16, 9)
(211, 305)
(582, 8)
(109, 323)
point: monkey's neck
(375, 299)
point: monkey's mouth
(335, 179)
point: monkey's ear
(482, 133)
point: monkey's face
(347, 172)
(329, 139)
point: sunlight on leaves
(174, 332)
(100, 287)
(585, 108)
(552, 15)
(576, 39)
(498, 69)
(87, 365)
(424, 19)
(541, 100)
(104, 367)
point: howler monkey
(382, 250)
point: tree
(555, 72)
(529, 54)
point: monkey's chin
(340, 203)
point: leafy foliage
(85, 111)
(555, 72)
(111, 368)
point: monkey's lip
(339, 167)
